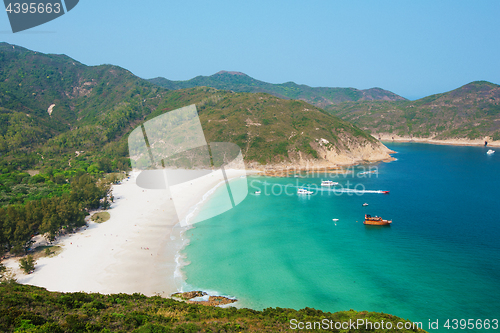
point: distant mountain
(471, 111)
(239, 82)
(52, 106)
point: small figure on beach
(485, 143)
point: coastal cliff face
(348, 152)
(283, 133)
(331, 157)
(352, 150)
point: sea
(439, 260)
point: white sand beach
(133, 252)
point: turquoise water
(440, 259)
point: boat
(257, 192)
(335, 220)
(376, 220)
(365, 204)
(328, 183)
(304, 191)
(491, 151)
(384, 192)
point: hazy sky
(413, 48)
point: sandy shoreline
(135, 251)
(451, 142)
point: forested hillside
(471, 111)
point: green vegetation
(101, 217)
(270, 130)
(26, 308)
(471, 111)
(239, 82)
(51, 216)
(27, 264)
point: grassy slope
(239, 82)
(97, 106)
(267, 128)
(26, 308)
(471, 111)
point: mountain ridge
(241, 82)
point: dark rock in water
(190, 294)
(215, 301)
(212, 300)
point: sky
(412, 48)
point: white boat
(328, 183)
(257, 192)
(304, 191)
(489, 152)
(335, 220)
(365, 204)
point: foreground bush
(26, 308)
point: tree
(2, 270)
(23, 236)
(27, 264)
(59, 178)
(3, 240)
(86, 192)
(104, 164)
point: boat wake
(315, 188)
(341, 190)
(348, 190)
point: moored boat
(376, 220)
(328, 183)
(489, 152)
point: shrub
(27, 264)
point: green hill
(471, 111)
(25, 308)
(94, 108)
(239, 82)
(269, 129)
